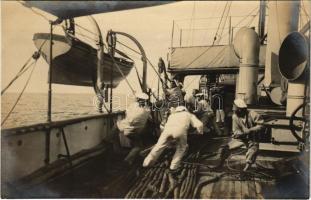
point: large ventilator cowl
(293, 61)
(246, 46)
(293, 56)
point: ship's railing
(55, 124)
(27, 149)
(202, 31)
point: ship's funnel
(293, 56)
(246, 46)
(293, 59)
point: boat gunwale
(54, 124)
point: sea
(32, 107)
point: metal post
(49, 112)
(180, 38)
(261, 21)
(172, 36)
(230, 41)
(49, 116)
(111, 82)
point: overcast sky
(151, 26)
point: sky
(152, 27)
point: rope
(139, 80)
(24, 68)
(211, 17)
(85, 29)
(39, 14)
(223, 35)
(222, 15)
(277, 22)
(225, 21)
(152, 66)
(125, 78)
(21, 71)
(18, 98)
(304, 9)
(251, 21)
(238, 153)
(190, 25)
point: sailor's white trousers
(164, 141)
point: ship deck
(281, 175)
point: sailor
(205, 113)
(246, 127)
(192, 101)
(175, 131)
(133, 125)
(174, 97)
(175, 94)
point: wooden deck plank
(238, 190)
(252, 189)
(222, 192)
(244, 190)
(258, 189)
(207, 191)
(231, 190)
(216, 190)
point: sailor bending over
(175, 130)
(247, 127)
(133, 126)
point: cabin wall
(24, 152)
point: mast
(262, 20)
(49, 112)
(49, 115)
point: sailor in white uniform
(133, 126)
(176, 130)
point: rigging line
(86, 29)
(86, 37)
(20, 95)
(23, 69)
(250, 13)
(224, 24)
(304, 9)
(213, 41)
(211, 62)
(120, 71)
(277, 22)
(252, 19)
(212, 16)
(222, 15)
(152, 66)
(224, 35)
(138, 76)
(40, 14)
(16, 77)
(191, 19)
(193, 25)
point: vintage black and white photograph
(155, 99)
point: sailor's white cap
(240, 103)
(142, 95)
(199, 94)
(180, 109)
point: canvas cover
(71, 9)
(208, 57)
